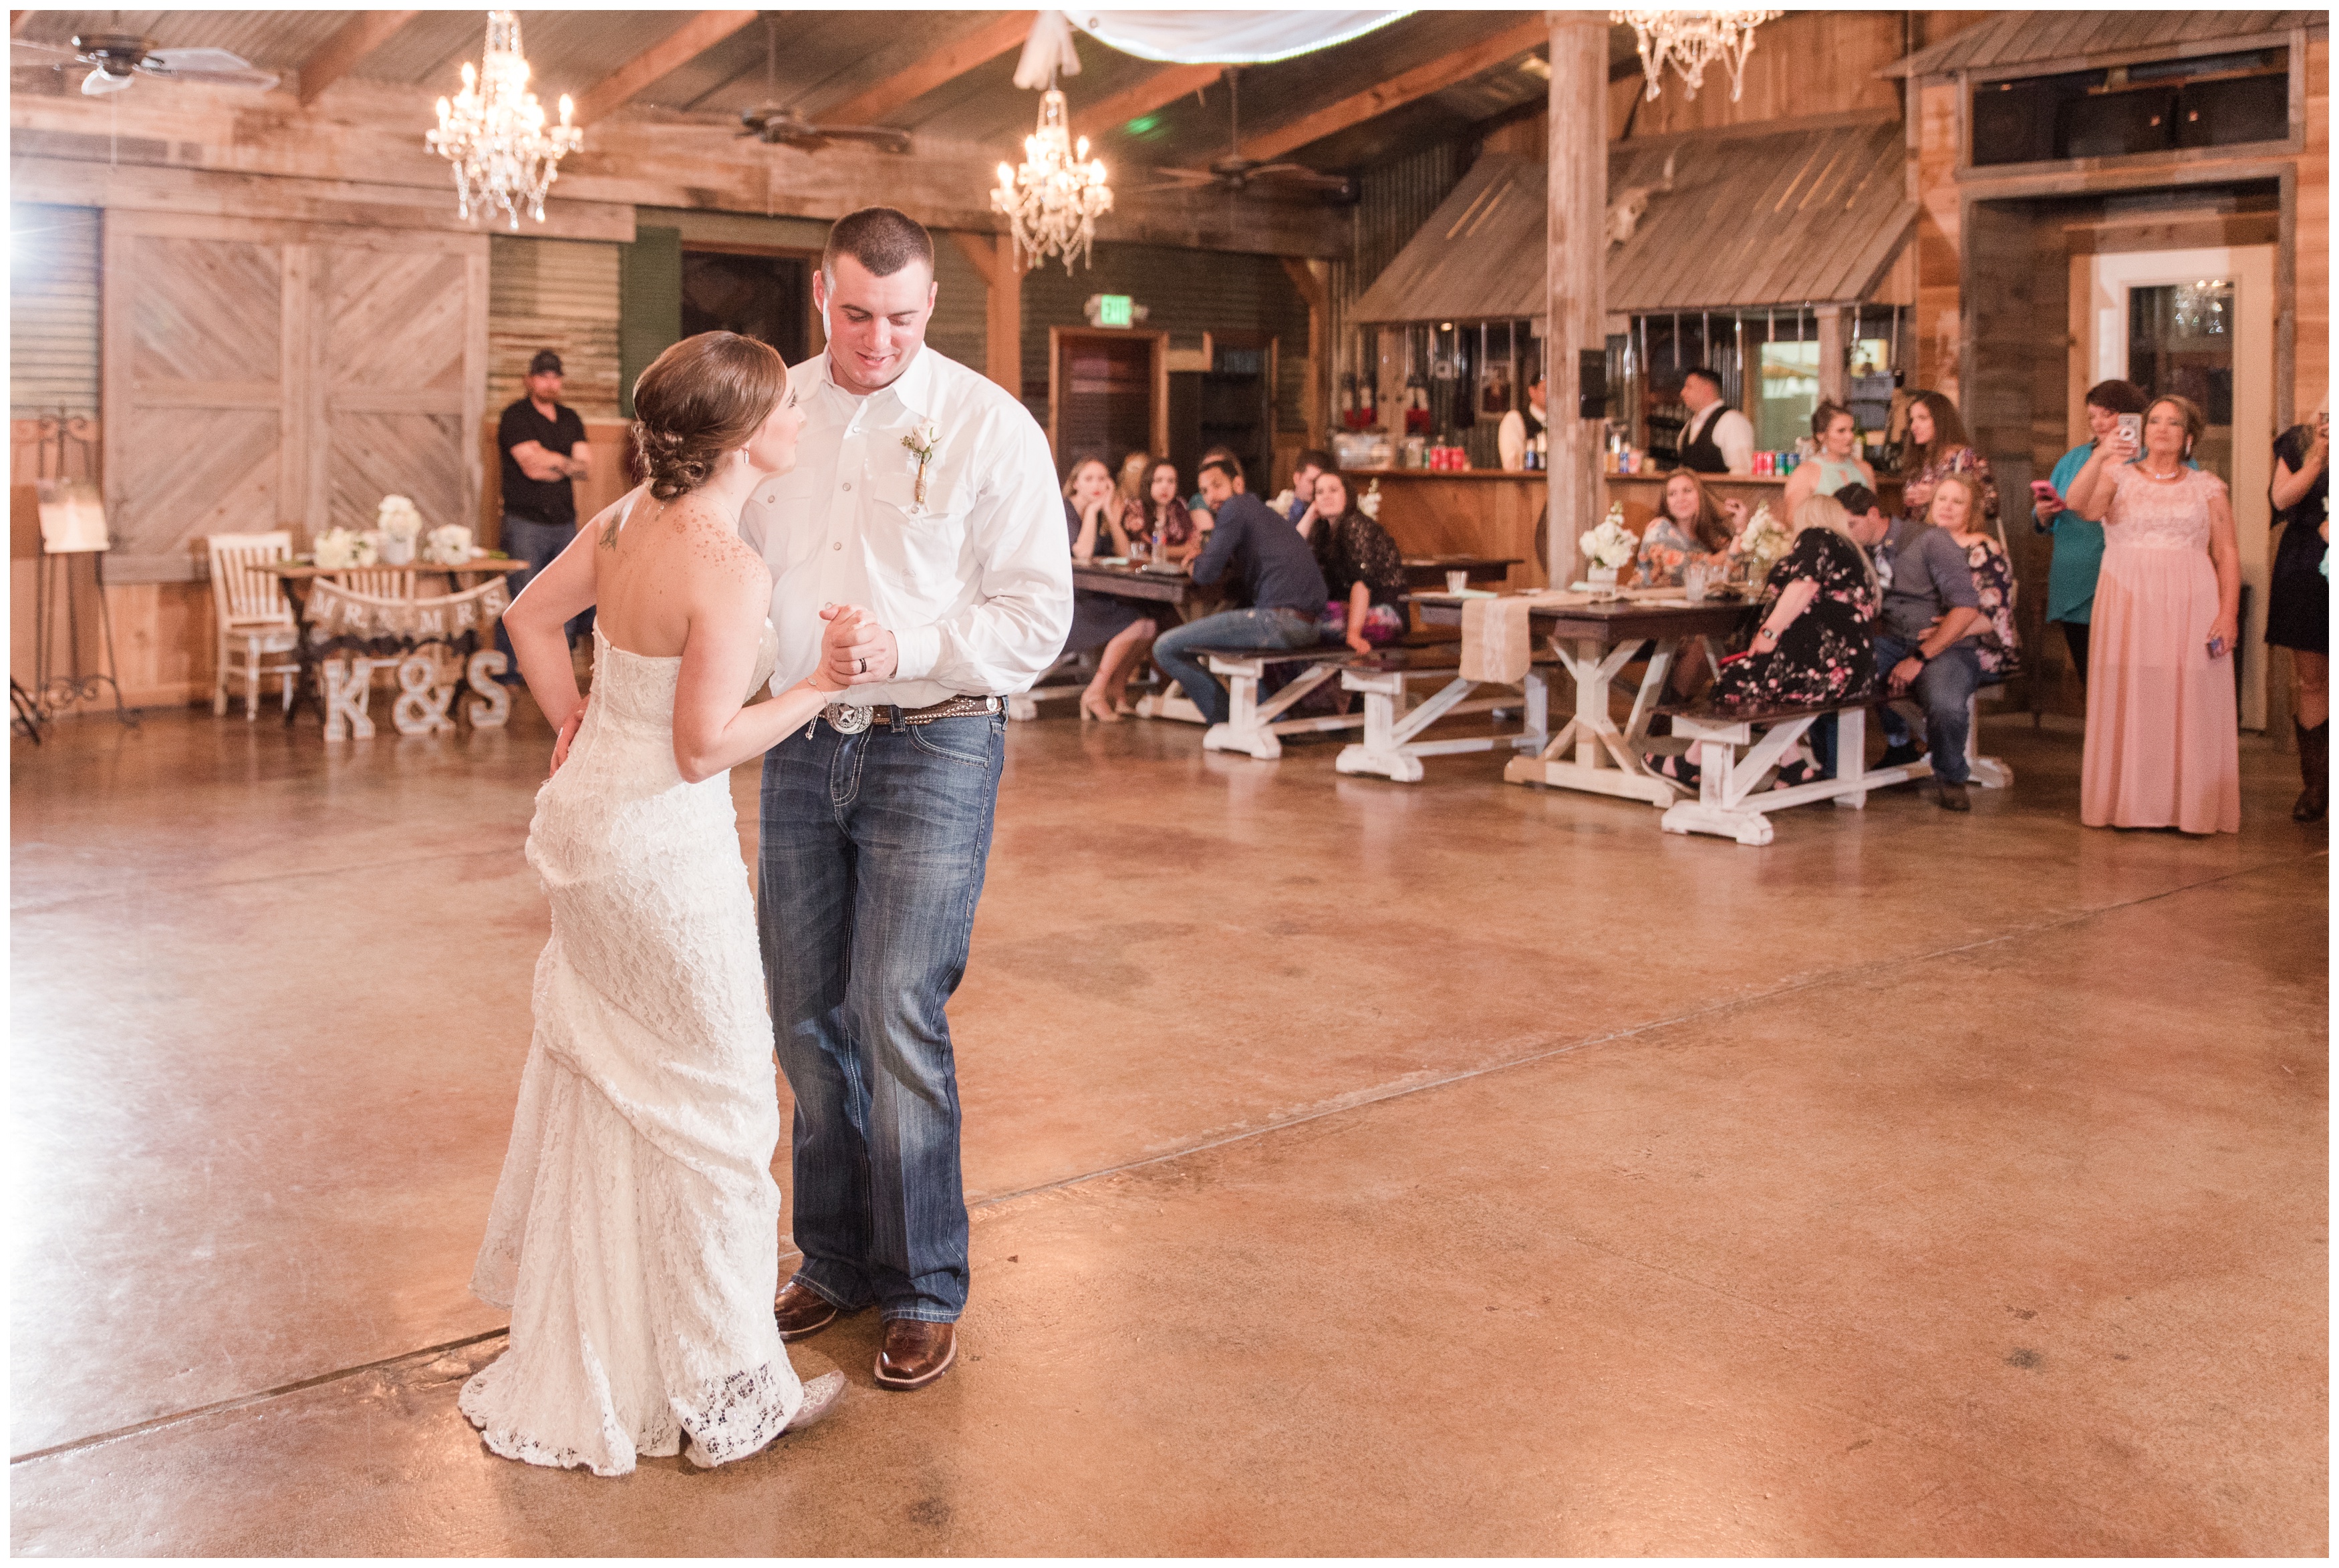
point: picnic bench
(1731, 800)
(1391, 747)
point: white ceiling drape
(1190, 38)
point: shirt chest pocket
(793, 522)
(917, 544)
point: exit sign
(1114, 310)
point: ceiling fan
(776, 126)
(1234, 172)
(115, 59)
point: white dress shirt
(1733, 432)
(975, 583)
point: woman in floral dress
(1957, 502)
(1816, 642)
(1936, 447)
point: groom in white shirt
(923, 497)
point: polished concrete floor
(1358, 1169)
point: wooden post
(994, 256)
(1311, 278)
(1834, 383)
(1575, 239)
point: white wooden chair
(257, 634)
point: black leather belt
(851, 719)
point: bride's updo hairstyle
(702, 398)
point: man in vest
(1717, 439)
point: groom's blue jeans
(872, 858)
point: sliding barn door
(400, 390)
(262, 375)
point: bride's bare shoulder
(710, 545)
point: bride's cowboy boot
(2315, 771)
(915, 1352)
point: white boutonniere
(923, 441)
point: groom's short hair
(881, 239)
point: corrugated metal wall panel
(556, 294)
(53, 311)
(1396, 200)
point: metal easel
(54, 595)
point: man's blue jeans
(1946, 685)
(1259, 628)
(540, 545)
(872, 858)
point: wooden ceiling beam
(1420, 82)
(985, 43)
(1165, 85)
(668, 55)
(352, 41)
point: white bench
(1731, 803)
(1252, 726)
(1390, 748)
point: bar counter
(1498, 512)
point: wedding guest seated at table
(1279, 579)
(1204, 518)
(1117, 630)
(1130, 482)
(1164, 515)
(1310, 463)
(1363, 572)
(1692, 525)
(1925, 648)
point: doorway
(2199, 323)
(1108, 393)
(763, 296)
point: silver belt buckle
(847, 719)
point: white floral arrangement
(1763, 541)
(449, 545)
(340, 548)
(399, 517)
(1370, 503)
(1611, 545)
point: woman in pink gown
(2161, 749)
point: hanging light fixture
(494, 131)
(1051, 203)
(1693, 40)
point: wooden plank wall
(2312, 379)
(556, 294)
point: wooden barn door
(262, 375)
(402, 381)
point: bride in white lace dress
(634, 1235)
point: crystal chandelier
(1694, 40)
(1052, 202)
(494, 131)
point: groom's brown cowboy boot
(915, 1352)
(801, 1312)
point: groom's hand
(855, 650)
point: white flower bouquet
(398, 523)
(1762, 543)
(340, 548)
(1611, 545)
(449, 545)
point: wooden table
(297, 576)
(1592, 642)
(1429, 571)
(1176, 589)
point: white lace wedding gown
(634, 1235)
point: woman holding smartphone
(2162, 747)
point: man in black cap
(544, 450)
